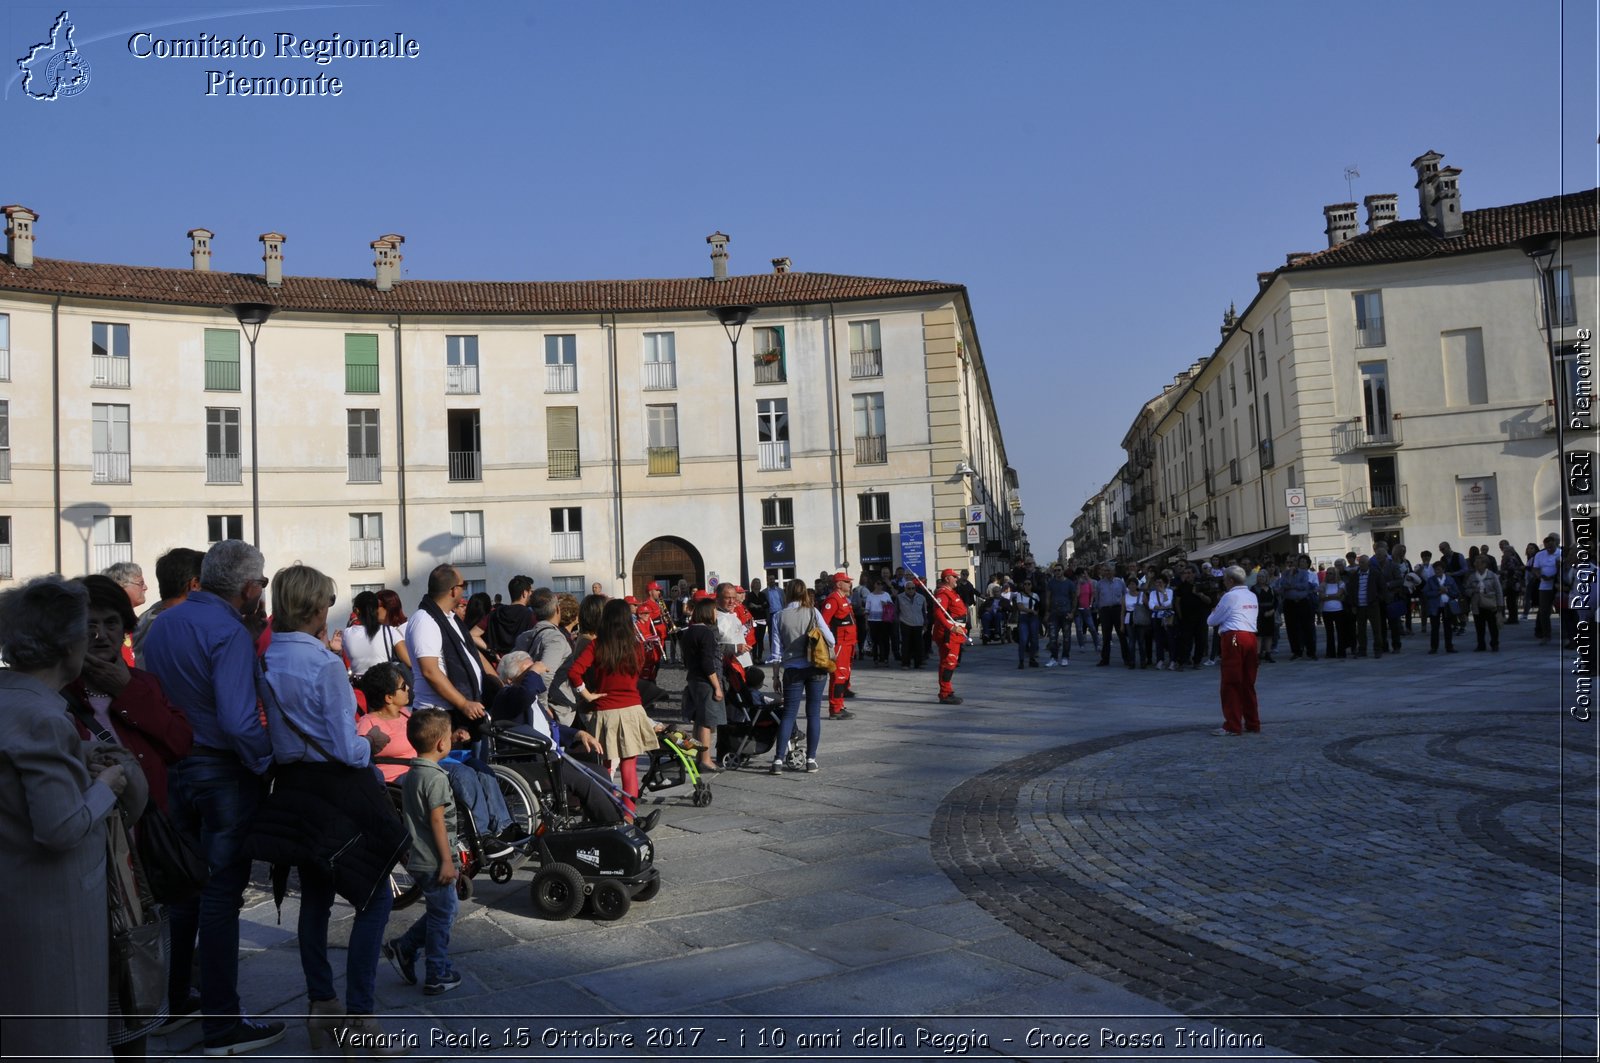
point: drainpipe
(400, 451)
(838, 441)
(55, 416)
(616, 446)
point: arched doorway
(666, 560)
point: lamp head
(252, 313)
(732, 316)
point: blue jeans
(1027, 637)
(810, 681)
(480, 792)
(1061, 634)
(1085, 626)
(213, 798)
(431, 933)
(366, 942)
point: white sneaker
(1051, 663)
(1065, 661)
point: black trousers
(1110, 619)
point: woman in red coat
(114, 703)
(605, 675)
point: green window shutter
(222, 359)
(361, 363)
(561, 439)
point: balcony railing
(660, 376)
(5, 560)
(222, 468)
(365, 468)
(774, 455)
(460, 380)
(5, 465)
(109, 371)
(1383, 501)
(769, 371)
(663, 461)
(866, 362)
(467, 550)
(566, 546)
(466, 465)
(564, 465)
(5, 363)
(1372, 334)
(1357, 435)
(872, 450)
(366, 553)
(560, 378)
(108, 554)
(112, 467)
(361, 379)
(221, 375)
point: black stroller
(755, 731)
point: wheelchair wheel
(558, 891)
(609, 901)
(733, 761)
(463, 887)
(521, 800)
(500, 872)
(406, 890)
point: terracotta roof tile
(1482, 230)
(334, 295)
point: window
(777, 538)
(366, 540)
(466, 529)
(1466, 380)
(1233, 385)
(877, 544)
(222, 359)
(566, 534)
(1384, 482)
(361, 363)
(5, 441)
(661, 439)
(358, 588)
(1293, 482)
(1266, 431)
(567, 585)
(561, 442)
(112, 538)
(777, 512)
(1369, 319)
(222, 526)
(1375, 398)
(366, 465)
(5, 346)
(1563, 307)
(111, 461)
(5, 547)
(866, 350)
(109, 355)
(660, 361)
(772, 433)
(461, 365)
(222, 445)
(466, 450)
(871, 440)
(474, 586)
(1261, 351)
(769, 355)
(560, 363)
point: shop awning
(1160, 555)
(1233, 547)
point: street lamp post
(1541, 250)
(251, 317)
(733, 319)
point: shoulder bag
(138, 934)
(818, 652)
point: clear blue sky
(1105, 178)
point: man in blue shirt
(205, 658)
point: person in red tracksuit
(841, 618)
(949, 633)
(1235, 620)
(644, 626)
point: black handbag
(138, 960)
(175, 869)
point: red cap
(701, 596)
(841, 576)
(740, 590)
(631, 600)
(947, 572)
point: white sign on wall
(977, 515)
(1480, 506)
(1300, 521)
(1294, 497)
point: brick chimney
(1264, 278)
(1447, 202)
(272, 255)
(1382, 209)
(781, 265)
(387, 262)
(719, 255)
(1341, 222)
(1427, 167)
(19, 233)
(200, 249)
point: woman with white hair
(1235, 619)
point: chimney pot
(719, 255)
(19, 233)
(781, 265)
(1341, 219)
(272, 255)
(200, 249)
(387, 261)
(1427, 167)
(1382, 209)
(1447, 202)
(1264, 278)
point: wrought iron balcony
(365, 468)
(563, 464)
(566, 546)
(112, 467)
(1382, 502)
(223, 468)
(770, 368)
(867, 362)
(559, 379)
(466, 465)
(774, 455)
(467, 550)
(1356, 434)
(872, 450)
(110, 371)
(460, 380)
(660, 376)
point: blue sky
(1105, 178)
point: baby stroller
(755, 732)
(604, 866)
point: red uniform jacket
(947, 597)
(841, 618)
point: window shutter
(360, 349)
(222, 345)
(562, 427)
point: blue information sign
(911, 548)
